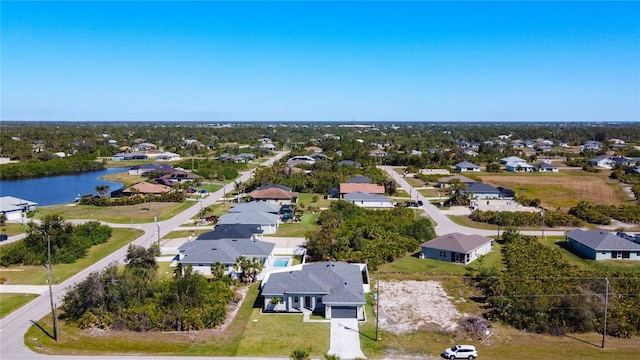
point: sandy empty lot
(409, 305)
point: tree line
(133, 298)
(353, 234)
(68, 242)
(539, 291)
(50, 167)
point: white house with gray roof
(467, 166)
(457, 248)
(201, 254)
(333, 289)
(266, 221)
(262, 206)
(16, 209)
(366, 200)
(602, 245)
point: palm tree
(255, 267)
(102, 189)
(242, 266)
(217, 270)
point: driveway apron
(345, 339)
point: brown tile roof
(348, 188)
(273, 193)
(148, 188)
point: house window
(318, 300)
(296, 299)
(604, 253)
(443, 254)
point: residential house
(457, 248)
(519, 167)
(146, 188)
(349, 163)
(479, 190)
(512, 159)
(545, 167)
(333, 289)
(16, 209)
(267, 146)
(275, 193)
(233, 231)
(467, 166)
(150, 168)
(201, 254)
(444, 182)
(602, 245)
(591, 145)
(604, 161)
(313, 149)
(347, 188)
(175, 177)
(168, 156)
(367, 200)
(130, 156)
(267, 222)
(301, 159)
(262, 206)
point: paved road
(14, 325)
(444, 225)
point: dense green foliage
(541, 292)
(173, 196)
(353, 234)
(325, 174)
(54, 166)
(68, 242)
(213, 169)
(526, 218)
(602, 214)
(133, 298)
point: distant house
(146, 188)
(544, 167)
(262, 206)
(367, 200)
(349, 163)
(457, 248)
(168, 156)
(479, 190)
(267, 222)
(519, 167)
(347, 188)
(201, 254)
(360, 180)
(150, 168)
(267, 146)
(313, 149)
(512, 159)
(334, 289)
(467, 166)
(275, 193)
(16, 209)
(602, 245)
(592, 145)
(604, 161)
(302, 159)
(447, 180)
(176, 176)
(130, 156)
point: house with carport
(602, 245)
(457, 248)
(332, 289)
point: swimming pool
(281, 262)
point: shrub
(301, 354)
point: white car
(461, 352)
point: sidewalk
(24, 289)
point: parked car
(461, 352)
(4, 237)
(420, 203)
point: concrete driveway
(345, 339)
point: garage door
(341, 312)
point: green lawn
(176, 234)
(307, 199)
(300, 229)
(36, 275)
(14, 229)
(430, 192)
(575, 259)
(10, 302)
(139, 213)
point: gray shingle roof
(262, 206)
(457, 242)
(249, 217)
(363, 196)
(360, 180)
(602, 240)
(467, 164)
(477, 187)
(225, 251)
(231, 231)
(338, 282)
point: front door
(307, 302)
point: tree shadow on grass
(35, 323)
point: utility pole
(156, 218)
(377, 306)
(542, 213)
(53, 307)
(606, 306)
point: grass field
(10, 302)
(14, 229)
(36, 275)
(176, 234)
(562, 189)
(139, 213)
(307, 224)
(307, 199)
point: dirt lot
(409, 305)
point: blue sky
(320, 61)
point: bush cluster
(602, 214)
(526, 218)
